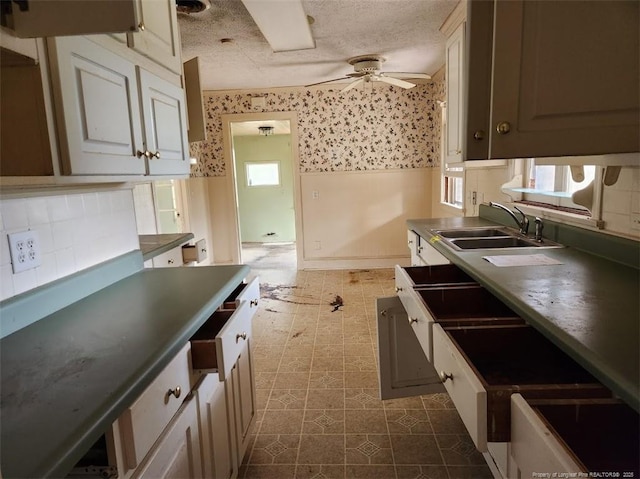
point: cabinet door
(177, 452)
(96, 96)
(244, 399)
(429, 254)
(404, 368)
(165, 125)
(216, 433)
(158, 36)
(61, 18)
(454, 78)
(565, 78)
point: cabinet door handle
(170, 261)
(413, 320)
(240, 336)
(478, 135)
(253, 302)
(398, 289)
(420, 248)
(140, 154)
(175, 392)
(141, 26)
(444, 376)
(503, 127)
(155, 155)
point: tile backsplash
(76, 231)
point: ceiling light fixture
(283, 23)
(266, 130)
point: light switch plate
(25, 250)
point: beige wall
(370, 155)
(359, 219)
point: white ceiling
(406, 32)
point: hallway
(319, 413)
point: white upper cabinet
(564, 78)
(165, 125)
(115, 118)
(70, 17)
(158, 37)
(455, 92)
(96, 96)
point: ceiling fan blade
(422, 76)
(353, 84)
(328, 81)
(395, 81)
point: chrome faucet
(539, 228)
(522, 224)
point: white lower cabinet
(242, 389)
(190, 422)
(445, 330)
(216, 429)
(169, 259)
(404, 367)
(422, 253)
(177, 452)
(571, 436)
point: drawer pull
(413, 320)
(253, 302)
(420, 248)
(444, 376)
(241, 336)
(175, 392)
(398, 289)
(170, 261)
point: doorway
(262, 155)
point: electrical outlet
(635, 221)
(315, 194)
(25, 250)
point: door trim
(229, 160)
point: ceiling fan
(367, 69)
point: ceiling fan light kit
(367, 69)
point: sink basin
(495, 242)
(473, 233)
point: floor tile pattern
(319, 413)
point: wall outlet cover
(25, 250)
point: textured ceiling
(405, 32)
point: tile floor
(319, 412)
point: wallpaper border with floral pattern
(377, 128)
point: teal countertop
(154, 245)
(68, 376)
(588, 305)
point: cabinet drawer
(217, 344)
(588, 435)
(447, 294)
(483, 366)
(170, 259)
(429, 254)
(435, 276)
(142, 423)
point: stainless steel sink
(489, 238)
(474, 233)
(495, 242)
